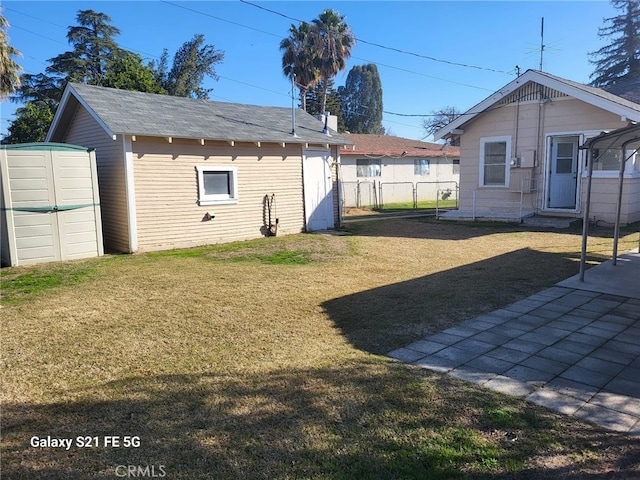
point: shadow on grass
(429, 228)
(367, 419)
(392, 316)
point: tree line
(95, 58)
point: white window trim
(629, 169)
(485, 140)
(204, 199)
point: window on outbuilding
(217, 185)
(421, 166)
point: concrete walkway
(573, 348)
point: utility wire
(393, 49)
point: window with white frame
(606, 162)
(494, 161)
(606, 159)
(217, 185)
(368, 167)
(421, 166)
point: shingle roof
(144, 114)
(628, 89)
(368, 144)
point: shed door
(563, 174)
(318, 190)
(52, 205)
(30, 193)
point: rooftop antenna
(541, 41)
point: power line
(292, 18)
(393, 49)
(220, 18)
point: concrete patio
(573, 348)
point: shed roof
(144, 114)
(591, 95)
(389, 145)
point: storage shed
(50, 203)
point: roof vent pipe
(293, 107)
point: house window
(366, 167)
(421, 166)
(456, 167)
(217, 185)
(606, 159)
(494, 164)
(606, 162)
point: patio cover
(624, 139)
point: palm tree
(333, 43)
(9, 69)
(298, 59)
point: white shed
(50, 203)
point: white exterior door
(563, 173)
(318, 190)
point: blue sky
(488, 38)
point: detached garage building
(50, 203)
(178, 172)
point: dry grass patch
(244, 361)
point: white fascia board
(624, 111)
(68, 91)
(483, 105)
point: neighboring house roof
(388, 145)
(135, 113)
(628, 88)
(595, 96)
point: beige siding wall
(604, 198)
(166, 191)
(534, 124)
(85, 131)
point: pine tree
(361, 100)
(620, 59)
(93, 47)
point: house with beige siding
(383, 170)
(521, 155)
(178, 172)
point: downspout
(130, 192)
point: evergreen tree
(620, 59)
(9, 69)
(361, 100)
(128, 73)
(93, 48)
(191, 64)
(314, 102)
(32, 123)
